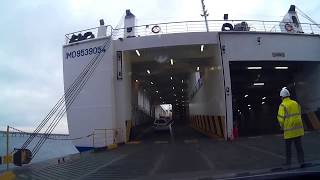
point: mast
(205, 14)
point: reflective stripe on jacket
(289, 117)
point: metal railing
(94, 31)
(199, 26)
(105, 137)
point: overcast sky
(32, 35)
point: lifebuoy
(227, 25)
(156, 29)
(288, 27)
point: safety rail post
(7, 148)
(105, 136)
(114, 134)
(187, 26)
(311, 29)
(264, 26)
(93, 138)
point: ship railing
(94, 31)
(199, 26)
(104, 137)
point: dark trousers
(298, 144)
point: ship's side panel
(123, 95)
(94, 106)
(209, 99)
(264, 47)
(270, 47)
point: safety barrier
(311, 120)
(197, 26)
(212, 126)
(107, 138)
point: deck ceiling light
(138, 53)
(173, 87)
(171, 62)
(246, 95)
(264, 98)
(148, 71)
(151, 83)
(137, 80)
(249, 105)
(258, 84)
(281, 67)
(182, 81)
(182, 90)
(157, 91)
(254, 67)
(198, 68)
(201, 48)
(263, 102)
(175, 95)
(171, 77)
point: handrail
(214, 20)
(103, 137)
(198, 26)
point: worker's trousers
(298, 145)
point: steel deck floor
(159, 156)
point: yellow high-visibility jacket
(289, 117)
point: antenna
(205, 14)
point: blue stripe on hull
(83, 148)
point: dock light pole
(205, 14)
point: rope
(96, 60)
(63, 104)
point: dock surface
(159, 156)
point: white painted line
(254, 137)
(191, 141)
(157, 165)
(207, 160)
(161, 142)
(262, 150)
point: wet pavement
(186, 155)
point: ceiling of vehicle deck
(186, 59)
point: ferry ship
(218, 75)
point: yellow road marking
(112, 146)
(7, 176)
(133, 142)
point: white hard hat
(284, 92)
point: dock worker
(289, 117)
